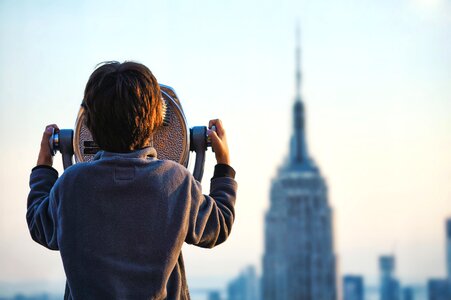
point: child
(120, 221)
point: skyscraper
(408, 293)
(440, 289)
(448, 249)
(245, 286)
(389, 286)
(353, 288)
(214, 295)
(299, 260)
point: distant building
(353, 288)
(214, 295)
(43, 296)
(245, 286)
(448, 249)
(438, 289)
(389, 285)
(408, 293)
(299, 260)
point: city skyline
(377, 84)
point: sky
(376, 82)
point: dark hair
(123, 106)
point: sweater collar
(148, 152)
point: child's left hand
(45, 154)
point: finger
(214, 137)
(220, 133)
(219, 127)
(215, 122)
(46, 136)
(48, 132)
(53, 126)
(212, 123)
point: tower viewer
(120, 220)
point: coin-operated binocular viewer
(173, 140)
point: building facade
(448, 249)
(245, 286)
(438, 289)
(353, 288)
(214, 295)
(299, 260)
(389, 285)
(408, 293)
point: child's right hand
(219, 142)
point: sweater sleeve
(41, 207)
(211, 216)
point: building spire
(298, 63)
(298, 150)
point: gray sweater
(120, 221)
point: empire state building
(299, 260)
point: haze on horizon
(376, 82)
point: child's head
(123, 106)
